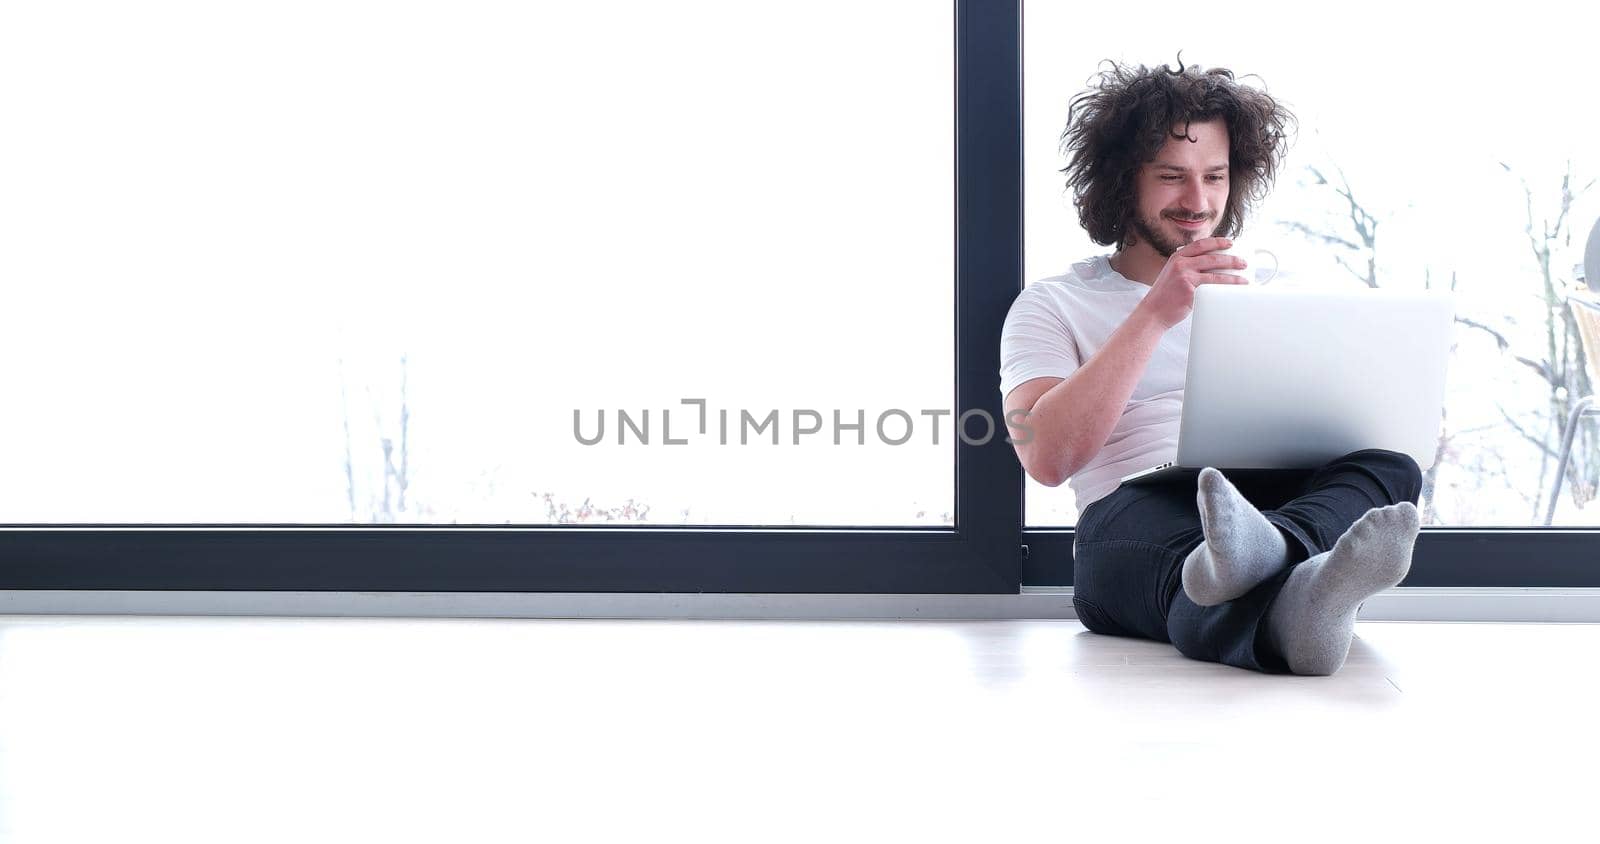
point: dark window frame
(981, 554)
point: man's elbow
(1051, 473)
(1054, 479)
(1050, 480)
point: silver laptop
(1289, 378)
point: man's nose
(1193, 198)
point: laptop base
(1160, 474)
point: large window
(354, 262)
(619, 296)
(1450, 152)
(308, 297)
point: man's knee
(1398, 469)
(1092, 595)
(1095, 619)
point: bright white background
(545, 209)
(212, 218)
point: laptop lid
(1292, 378)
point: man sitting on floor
(1266, 572)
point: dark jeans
(1130, 546)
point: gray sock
(1241, 549)
(1313, 618)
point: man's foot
(1313, 618)
(1241, 548)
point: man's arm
(1072, 418)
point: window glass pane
(1477, 175)
(353, 261)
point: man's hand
(1171, 297)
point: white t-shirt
(1056, 324)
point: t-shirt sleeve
(1034, 342)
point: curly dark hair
(1125, 119)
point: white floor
(263, 729)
